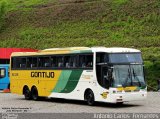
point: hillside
(65, 23)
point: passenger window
(23, 63)
(44, 62)
(89, 60)
(82, 61)
(86, 61)
(34, 62)
(13, 62)
(2, 72)
(4, 61)
(73, 61)
(67, 61)
(54, 62)
(18, 62)
(29, 62)
(60, 60)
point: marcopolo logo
(42, 74)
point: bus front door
(105, 79)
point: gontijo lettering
(42, 74)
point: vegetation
(65, 23)
(2, 13)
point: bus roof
(114, 49)
(64, 49)
(69, 50)
(5, 53)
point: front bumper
(127, 96)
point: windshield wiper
(136, 77)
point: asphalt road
(12, 102)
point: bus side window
(101, 58)
(86, 61)
(29, 62)
(82, 62)
(44, 62)
(89, 60)
(18, 62)
(23, 63)
(2, 73)
(54, 61)
(40, 60)
(14, 62)
(34, 62)
(67, 61)
(73, 62)
(60, 61)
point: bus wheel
(34, 93)
(89, 97)
(27, 93)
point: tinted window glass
(70, 61)
(86, 61)
(4, 61)
(14, 63)
(101, 58)
(34, 62)
(23, 63)
(67, 61)
(60, 61)
(29, 62)
(73, 61)
(125, 58)
(44, 62)
(54, 62)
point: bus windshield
(125, 58)
(128, 75)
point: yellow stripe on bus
(131, 88)
(44, 80)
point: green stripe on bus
(62, 82)
(73, 81)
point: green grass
(44, 24)
(2, 13)
(25, 4)
(117, 3)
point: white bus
(113, 75)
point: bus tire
(26, 93)
(89, 97)
(34, 93)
